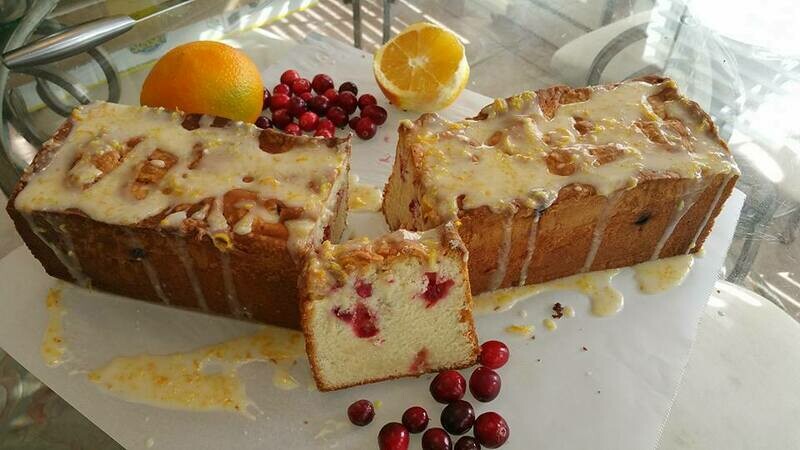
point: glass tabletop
(739, 60)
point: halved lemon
(424, 68)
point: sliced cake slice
(399, 305)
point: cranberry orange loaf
(396, 306)
(560, 181)
(186, 210)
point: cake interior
(404, 317)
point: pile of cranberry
(298, 105)
(489, 429)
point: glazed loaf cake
(399, 305)
(186, 210)
(559, 181)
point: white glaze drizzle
(75, 271)
(188, 266)
(74, 265)
(684, 205)
(501, 158)
(503, 253)
(230, 287)
(151, 272)
(232, 159)
(531, 247)
(710, 211)
(599, 229)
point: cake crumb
(550, 324)
(584, 349)
(522, 313)
(721, 313)
(149, 443)
(522, 330)
(569, 311)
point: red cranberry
(278, 101)
(293, 128)
(393, 436)
(296, 106)
(331, 95)
(436, 289)
(265, 102)
(415, 419)
(376, 113)
(281, 89)
(325, 133)
(365, 128)
(337, 116)
(361, 412)
(348, 102)
(319, 104)
(361, 319)
(300, 85)
(306, 96)
(448, 386)
(348, 86)
(467, 443)
(321, 83)
(436, 439)
(458, 417)
(263, 122)
(363, 289)
(484, 384)
(353, 122)
(494, 354)
(366, 100)
(491, 430)
(281, 118)
(289, 76)
(326, 124)
(308, 121)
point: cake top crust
(148, 167)
(523, 150)
(333, 263)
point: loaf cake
(186, 210)
(559, 181)
(399, 305)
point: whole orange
(206, 77)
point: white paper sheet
(616, 395)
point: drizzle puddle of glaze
(605, 299)
(363, 197)
(53, 348)
(204, 379)
(662, 274)
(330, 427)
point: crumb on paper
(521, 330)
(305, 422)
(558, 311)
(149, 443)
(550, 324)
(569, 312)
(538, 360)
(522, 313)
(721, 313)
(598, 392)
(584, 349)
